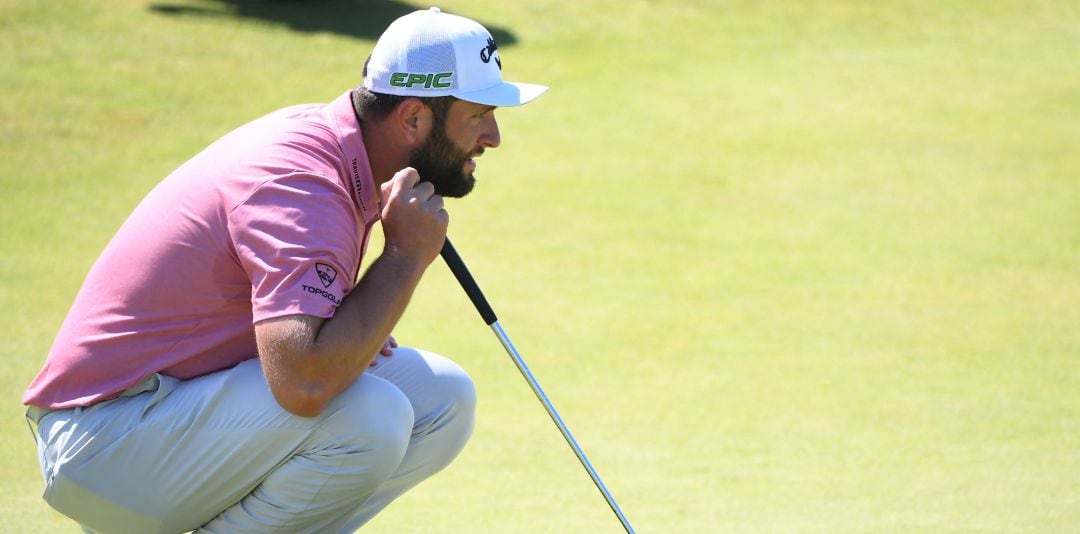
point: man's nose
(490, 137)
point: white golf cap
(429, 53)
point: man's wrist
(402, 263)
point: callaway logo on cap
(431, 53)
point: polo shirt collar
(362, 182)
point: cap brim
(504, 94)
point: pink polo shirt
(270, 220)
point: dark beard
(440, 162)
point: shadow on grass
(360, 19)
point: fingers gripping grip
(453, 260)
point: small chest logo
(489, 52)
(327, 274)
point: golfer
(225, 366)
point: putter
(457, 266)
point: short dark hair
(374, 107)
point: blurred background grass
(782, 266)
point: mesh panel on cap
(432, 52)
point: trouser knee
(451, 421)
(370, 422)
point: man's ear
(412, 119)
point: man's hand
(387, 350)
(389, 346)
(414, 221)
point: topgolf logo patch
(327, 274)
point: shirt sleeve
(297, 237)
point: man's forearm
(369, 312)
(308, 361)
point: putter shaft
(468, 283)
(520, 363)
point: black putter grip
(464, 277)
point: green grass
(782, 266)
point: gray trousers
(218, 454)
